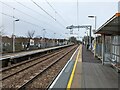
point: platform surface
(90, 73)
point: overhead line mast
(83, 26)
(78, 13)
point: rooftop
(111, 27)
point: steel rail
(42, 60)
(22, 87)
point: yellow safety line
(73, 71)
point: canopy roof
(111, 27)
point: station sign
(31, 42)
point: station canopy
(111, 27)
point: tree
(73, 39)
(31, 34)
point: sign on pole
(31, 42)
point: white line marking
(62, 70)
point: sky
(53, 16)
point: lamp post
(44, 31)
(95, 24)
(89, 40)
(54, 35)
(14, 34)
(1, 43)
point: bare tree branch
(31, 34)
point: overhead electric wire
(30, 9)
(27, 14)
(6, 14)
(22, 13)
(56, 13)
(20, 19)
(47, 13)
(43, 10)
(50, 6)
(55, 10)
(25, 21)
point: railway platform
(83, 70)
(26, 55)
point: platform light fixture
(95, 17)
(14, 34)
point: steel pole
(95, 22)
(1, 44)
(95, 36)
(90, 41)
(13, 36)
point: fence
(21, 44)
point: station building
(108, 44)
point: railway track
(46, 79)
(26, 75)
(10, 71)
(27, 61)
(50, 69)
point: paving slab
(90, 73)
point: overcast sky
(32, 17)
